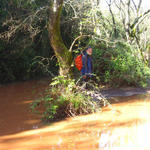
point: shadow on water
(122, 126)
(15, 100)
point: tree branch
(113, 17)
(137, 20)
(81, 36)
(17, 24)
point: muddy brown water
(125, 125)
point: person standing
(87, 67)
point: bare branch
(81, 36)
(18, 24)
(75, 13)
(139, 5)
(113, 17)
(139, 19)
(134, 4)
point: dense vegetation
(64, 98)
(120, 51)
(25, 51)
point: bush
(64, 99)
(120, 65)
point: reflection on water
(15, 100)
(123, 126)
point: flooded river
(125, 125)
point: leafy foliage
(26, 39)
(64, 99)
(26, 50)
(119, 65)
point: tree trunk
(64, 56)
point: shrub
(120, 65)
(64, 99)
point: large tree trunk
(64, 56)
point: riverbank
(124, 91)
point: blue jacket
(87, 64)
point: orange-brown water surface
(124, 125)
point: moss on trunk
(63, 55)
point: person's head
(89, 50)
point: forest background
(118, 31)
